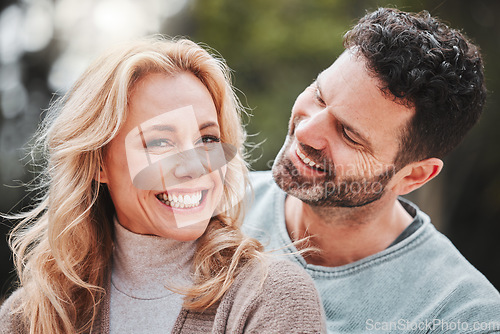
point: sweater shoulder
(273, 272)
(284, 274)
(262, 201)
(11, 318)
(274, 296)
(261, 181)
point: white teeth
(306, 160)
(181, 201)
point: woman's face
(165, 168)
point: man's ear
(416, 174)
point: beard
(327, 189)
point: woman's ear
(102, 175)
(416, 174)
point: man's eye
(346, 136)
(319, 99)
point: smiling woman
(137, 228)
(169, 118)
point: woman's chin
(186, 231)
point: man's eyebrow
(317, 83)
(350, 128)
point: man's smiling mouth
(308, 161)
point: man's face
(344, 134)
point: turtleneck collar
(144, 266)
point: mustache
(318, 156)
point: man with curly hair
(373, 126)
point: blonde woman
(137, 229)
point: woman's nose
(191, 165)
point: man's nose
(191, 165)
(313, 129)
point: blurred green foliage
(276, 49)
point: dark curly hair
(424, 64)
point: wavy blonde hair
(62, 247)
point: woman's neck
(147, 267)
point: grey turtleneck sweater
(286, 302)
(138, 300)
(144, 268)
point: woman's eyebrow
(172, 128)
(208, 125)
(161, 127)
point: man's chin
(341, 203)
(305, 189)
(319, 193)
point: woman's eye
(158, 143)
(210, 139)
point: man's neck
(345, 235)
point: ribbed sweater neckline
(145, 266)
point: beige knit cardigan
(287, 302)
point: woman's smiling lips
(184, 200)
